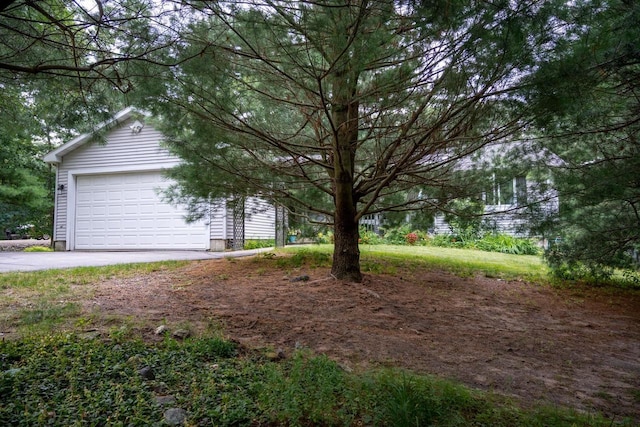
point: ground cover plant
(67, 380)
(276, 341)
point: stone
(147, 373)
(90, 334)
(181, 334)
(275, 355)
(161, 330)
(175, 416)
(134, 360)
(165, 400)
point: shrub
(259, 243)
(368, 237)
(397, 236)
(411, 238)
(494, 242)
(324, 238)
(500, 242)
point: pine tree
(590, 112)
(351, 102)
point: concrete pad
(31, 261)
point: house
(109, 196)
(518, 191)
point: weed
(259, 243)
(38, 249)
(47, 315)
(305, 256)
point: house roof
(523, 152)
(56, 155)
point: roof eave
(55, 156)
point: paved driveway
(30, 261)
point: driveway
(31, 261)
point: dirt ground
(571, 347)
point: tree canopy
(591, 117)
(355, 102)
(63, 68)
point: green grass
(64, 380)
(46, 279)
(38, 249)
(387, 259)
(44, 301)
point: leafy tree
(355, 102)
(589, 92)
(62, 66)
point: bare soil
(570, 347)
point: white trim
(224, 220)
(71, 211)
(124, 168)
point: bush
(494, 242)
(259, 243)
(397, 236)
(324, 238)
(499, 242)
(369, 237)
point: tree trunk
(346, 254)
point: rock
(134, 360)
(90, 334)
(181, 334)
(147, 373)
(275, 355)
(13, 371)
(165, 400)
(175, 416)
(160, 388)
(161, 330)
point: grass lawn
(54, 375)
(463, 261)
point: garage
(108, 195)
(125, 211)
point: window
(509, 191)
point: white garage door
(125, 211)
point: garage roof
(56, 155)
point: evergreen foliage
(342, 109)
(591, 113)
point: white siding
(60, 211)
(121, 147)
(219, 221)
(260, 219)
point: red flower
(411, 238)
